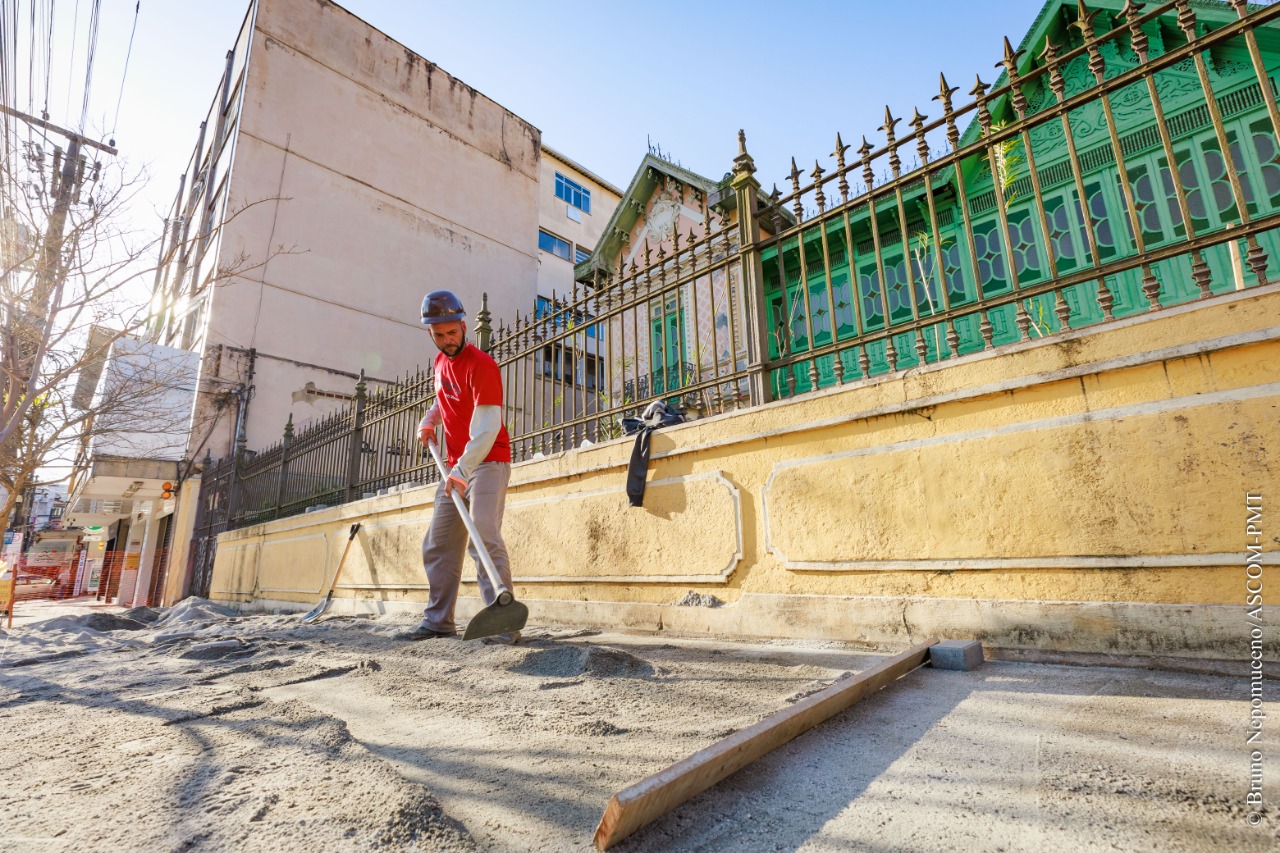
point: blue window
(573, 192)
(553, 244)
(580, 254)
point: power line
(48, 57)
(75, 30)
(124, 76)
(9, 34)
(95, 18)
(6, 55)
(31, 64)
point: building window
(544, 308)
(556, 362)
(573, 192)
(581, 254)
(576, 368)
(554, 245)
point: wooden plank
(649, 799)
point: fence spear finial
(1137, 38)
(922, 144)
(889, 123)
(944, 97)
(797, 206)
(1010, 61)
(889, 128)
(1084, 19)
(944, 91)
(819, 195)
(868, 174)
(839, 155)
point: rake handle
(503, 594)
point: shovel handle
(504, 594)
(355, 528)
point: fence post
(746, 187)
(357, 441)
(207, 489)
(484, 331)
(284, 464)
(237, 464)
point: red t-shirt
(469, 379)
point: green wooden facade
(871, 288)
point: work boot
(422, 632)
(502, 639)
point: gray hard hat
(441, 306)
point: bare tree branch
(55, 291)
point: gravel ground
(196, 728)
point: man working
(469, 404)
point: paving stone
(963, 655)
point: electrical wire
(31, 64)
(48, 57)
(95, 18)
(6, 53)
(9, 92)
(116, 121)
(75, 30)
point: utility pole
(66, 187)
(68, 177)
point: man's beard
(451, 350)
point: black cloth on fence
(656, 416)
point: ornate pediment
(661, 200)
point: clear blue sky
(597, 78)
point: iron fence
(365, 449)
(1131, 166)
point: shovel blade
(497, 619)
(317, 611)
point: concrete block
(964, 655)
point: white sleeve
(432, 418)
(486, 422)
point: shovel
(505, 614)
(319, 609)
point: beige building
(330, 188)
(574, 209)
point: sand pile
(699, 599)
(146, 615)
(194, 611)
(573, 661)
(100, 622)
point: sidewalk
(26, 612)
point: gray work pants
(447, 536)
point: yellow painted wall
(1084, 493)
(184, 521)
